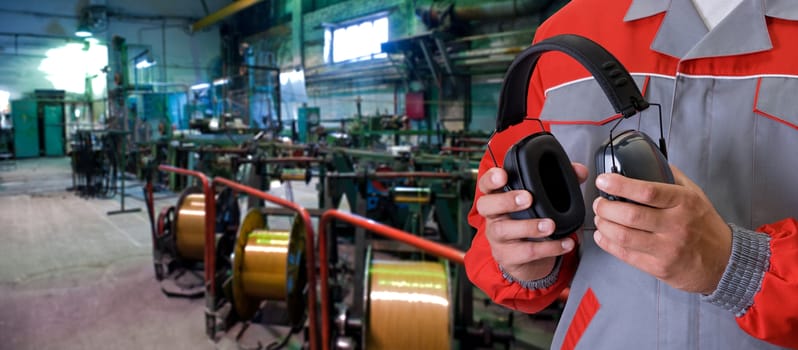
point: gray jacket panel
(743, 160)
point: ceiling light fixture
(144, 60)
(83, 30)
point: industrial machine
(262, 273)
(95, 158)
(396, 300)
(179, 238)
(398, 297)
(268, 276)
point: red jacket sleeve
(481, 267)
(773, 317)
(484, 272)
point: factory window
(4, 101)
(356, 42)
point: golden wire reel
(408, 306)
(190, 224)
(412, 195)
(269, 265)
(295, 174)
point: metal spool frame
(163, 242)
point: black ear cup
(539, 164)
(632, 154)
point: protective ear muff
(633, 154)
(538, 163)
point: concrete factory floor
(73, 277)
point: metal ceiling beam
(223, 13)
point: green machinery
(26, 128)
(38, 128)
(53, 122)
(308, 119)
(403, 191)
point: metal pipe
(363, 153)
(314, 212)
(238, 151)
(319, 71)
(43, 36)
(473, 141)
(498, 10)
(223, 13)
(493, 60)
(487, 52)
(281, 160)
(437, 249)
(289, 146)
(372, 71)
(463, 149)
(309, 248)
(378, 79)
(394, 175)
(434, 17)
(526, 33)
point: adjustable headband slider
(640, 104)
(628, 112)
(637, 106)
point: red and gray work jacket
(729, 101)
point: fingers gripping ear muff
(538, 163)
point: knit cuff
(742, 279)
(542, 283)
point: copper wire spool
(269, 265)
(408, 306)
(190, 225)
(295, 175)
(412, 195)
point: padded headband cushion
(614, 79)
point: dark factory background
(216, 174)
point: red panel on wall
(414, 105)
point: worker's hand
(509, 239)
(679, 237)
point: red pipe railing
(210, 223)
(434, 248)
(309, 247)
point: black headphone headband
(611, 75)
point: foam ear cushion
(539, 164)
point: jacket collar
(683, 34)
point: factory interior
(249, 174)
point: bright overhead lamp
(83, 30)
(144, 60)
(144, 64)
